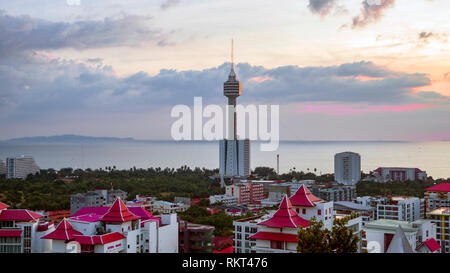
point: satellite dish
(73, 247)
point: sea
(315, 156)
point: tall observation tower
(234, 153)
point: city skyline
(89, 68)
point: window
(304, 211)
(276, 244)
(319, 212)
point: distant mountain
(68, 138)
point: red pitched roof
(119, 213)
(3, 206)
(19, 215)
(443, 187)
(64, 231)
(432, 245)
(274, 236)
(10, 232)
(225, 250)
(304, 198)
(285, 217)
(99, 239)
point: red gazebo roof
(432, 245)
(64, 231)
(304, 198)
(99, 239)
(285, 217)
(119, 213)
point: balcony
(260, 249)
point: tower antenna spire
(232, 52)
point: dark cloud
(25, 33)
(33, 84)
(371, 12)
(322, 7)
(169, 3)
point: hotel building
(347, 168)
(20, 167)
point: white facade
(168, 207)
(402, 209)
(227, 200)
(379, 233)
(322, 211)
(347, 168)
(20, 167)
(245, 228)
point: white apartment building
(438, 196)
(345, 208)
(243, 230)
(246, 192)
(380, 233)
(402, 209)
(168, 207)
(386, 174)
(347, 168)
(227, 200)
(20, 167)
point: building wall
(347, 168)
(20, 167)
(168, 234)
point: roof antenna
(232, 53)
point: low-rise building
(246, 193)
(334, 192)
(227, 200)
(402, 208)
(168, 207)
(195, 238)
(345, 208)
(2, 167)
(244, 229)
(380, 233)
(441, 218)
(438, 196)
(97, 198)
(387, 174)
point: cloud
(371, 12)
(26, 33)
(34, 84)
(169, 3)
(322, 7)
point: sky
(339, 69)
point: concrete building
(441, 218)
(402, 209)
(21, 230)
(308, 206)
(97, 198)
(2, 167)
(20, 167)
(276, 194)
(355, 223)
(227, 200)
(168, 207)
(278, 234)
(334, 193)
(346, 208)
(380, 233)
(234, 153)
(438, 196)
(244, 229)
(387, 174)
(195, 238)
(246, 192)
(347, 168)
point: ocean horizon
(432, 157)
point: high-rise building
(234, 153)
(347, 168)
(20, 167)
(2, 167)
